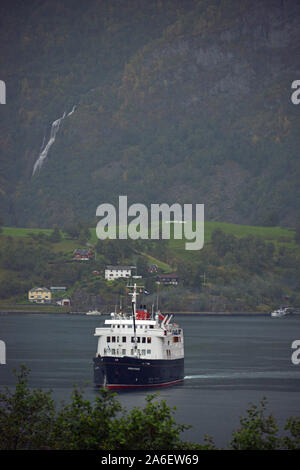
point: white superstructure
(281, 312)
(154, 339)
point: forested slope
(176, 101)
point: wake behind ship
(139, 350)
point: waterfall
(45, 150)
(71, 112)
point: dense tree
(29, 420)
(257, 431)
(115, 251)
(222, 242)
(141, 69)
(297, 232)
(272, 219)
(26, 416)
(142, 266)
(78, 231)
(55, 235)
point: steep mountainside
(165, 101)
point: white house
(117, 272)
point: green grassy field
(23, 232)
(173, 255)
(65, 245)
(163, 266)
(274, 234)
(32, 308)
(277, 235)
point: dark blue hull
(130, 372)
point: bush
(29, 420)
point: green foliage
(240, 268)
(83, 425)
(26, 416)
(272, 219)
(55, 236)
(297, 232)
(31, 261)
(29, 420)
(257, 431)
(152, 427)
(78, 231)
(250, 252)
(292, 441)
(142, 69)
(116, 251)
(240, 272)
(142, 266)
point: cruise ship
(139, 350)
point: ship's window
(113, 351)
(113, 339)
(148, 351)
(131, 352)
(138, 339)
(123, 352)
(148, 340)
(129, 326)
(143, 352)
(108, 339)
(151, 326)
(144, 340)
(123, 339)
(118, 339)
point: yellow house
(39, 295)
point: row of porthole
(116, 339)
(115, 352)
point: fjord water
(230, 361)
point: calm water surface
(230, 361)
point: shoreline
(40, 312)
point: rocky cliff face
(198, 110)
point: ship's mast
(134, 317)
(133, 304)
